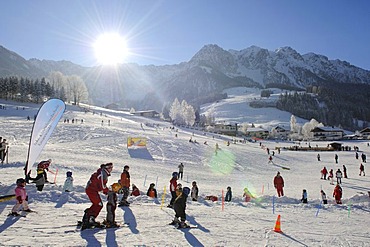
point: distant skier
(279, 184)
(338, 175)
(173, 185)
(194, 191)
(247, 195)
(356, 156)
(181, 170)
(362, 169)
(331, 176)
(337, 194)
(324, 172)
(336, 158)
(97, 183)
(323, 197)
(270, 160)
(345, 171)
(68, 183)
(152, 192)
(304, 196)
(45, 166)
(363, 157)
(135, 190)
(229, 194)
(39, 180)
(318, 157)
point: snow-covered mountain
(202, 79)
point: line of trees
(56, 85)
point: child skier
(39, 180)
(304, 196)
(173, 185)
(179, 206)
(324, 171)
(112, 205)
(331, 176)
(22, 198)
(194, 191)
(135, 190)
(247, 195)
(337, 194)
(362, 169)
(44, 165)
(229, 194)
(323, 197)
(68, 184)
(125, 183)
(152, 192)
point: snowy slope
(82, 147)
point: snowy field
(82, 147)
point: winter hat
(175, 174)
(152, 185)
(126, 167)
(107, 165)
(69, 174)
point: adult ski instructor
(96, 184)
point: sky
(82, 147)
(171, 32)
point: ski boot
(124, 203)
(175, 222)
(14, 214)
(183, 225)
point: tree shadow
(140, 153)
(129, 217)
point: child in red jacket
(22, 198)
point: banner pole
(163, 196)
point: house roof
(256, 130)
(326, 129)
(366, 130)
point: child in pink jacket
(22, 198)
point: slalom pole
(318, 209)
(222, 200)
(349, 209)
(163, 196)
(273, 204)
(55, 177)
(145, 179)
(7, 154)
(263, 188)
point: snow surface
(82, 147)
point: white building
(326, 133)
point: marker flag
(47, 119)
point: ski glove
(105, 191)
(19, 198)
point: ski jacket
(68, 184)
(125, 179)
(98, 181)
(112, 199)
(228, 196)
(324, 171)
(362, 167)
(173, 184)
(337, 192)
(152, 193)
(331, 173)
(278, 182)
(20, 191)
(338, 174)
(135, 192)
(179, 204)
(194, 192)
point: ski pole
(156, 181)
(273, 204)
(223, 200)
(145, 179)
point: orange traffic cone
(277, 225)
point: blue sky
(170, 32)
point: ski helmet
(116, 187)
(20, 181)
(69, 174)
(186, 191)
(152, 185)
(126, 167)
(175, 174)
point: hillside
(82, 147)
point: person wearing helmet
(173, 186)
(39, 180)
(44, 165)
(112, 205)
(135, 190)
(179, 206)
(22, 198)
(97, 183)
(194, 191)
(229, 194)
(125, 183)
(68, 183)
(152, 192)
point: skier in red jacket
(337, 194)
(279, 184)
(96, 184)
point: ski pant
(97, 204)
(173, 194)
(18, 205)
(126, 191)
(280, 191)
(180, 175)
(339, 180)
(111, 213)
(180, 214)
(40, 187)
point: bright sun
(110, 49)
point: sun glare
(110, 49)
